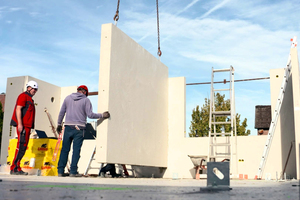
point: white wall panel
(133, 86)
(296, 103)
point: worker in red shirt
(23, 119)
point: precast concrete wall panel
(48, 96)
(133, 87)
(296, 106)
(279, 159)
(274, 160)
(287, 133)
(177, 111)
(14, 87)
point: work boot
(75, 175)
(116, 175)
(63, 175)
(14, 173)
(22, 173)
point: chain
(116, 17)
(159, 51)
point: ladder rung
(220, 144)
(221, 90)
(221, 70)
(220, 134)
(219, 156)
(221, 113)
(220, 122)
(226, 154)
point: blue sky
(58, 41)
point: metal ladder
(89, 166)
(220, 144)
(276, 114)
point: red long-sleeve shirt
(27, 112)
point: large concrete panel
(287, 131)
(274, 159)
(14, 86)
(286, 136)
(177, 153)
(296, 103)
(282, 155)
(133, 86)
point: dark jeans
(109, 168)
(75, 136)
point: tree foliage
(200, 118)
(1, 122)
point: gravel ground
(44, 188)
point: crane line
(225, 81)
(116, 17)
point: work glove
(105, 115)
(58, 129)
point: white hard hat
(32, 84)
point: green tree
(200, 118)
(1, 122)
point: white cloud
(34, 14)
(251, 48)
(15, 9)
(148, 22)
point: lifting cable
(249, 79)
(159, 51)
(116, 17)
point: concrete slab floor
(34, 187)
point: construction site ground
(33, 187)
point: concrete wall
(133, 86)
(287, 128)
(250, 148)
(285, 145)
(176, 126)
(65, 91)
(276, 76)
(296, 107)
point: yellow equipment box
(38, 155)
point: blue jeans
(75, 136)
